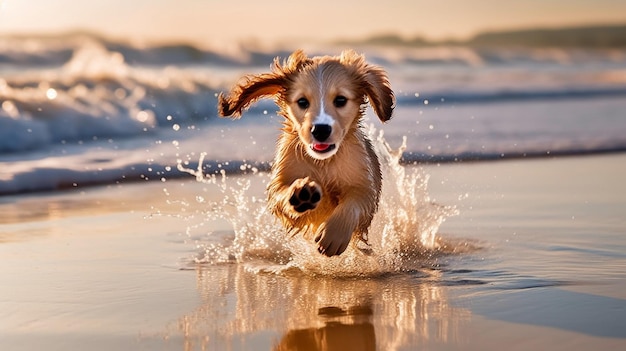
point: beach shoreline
(132, 174)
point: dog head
(322, 98)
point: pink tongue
(320, 147)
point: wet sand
(540, 264)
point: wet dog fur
(326, 177)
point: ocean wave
(86, 107)
(80, 109)
(97, 95)
(56, 50)
(242, 147)
(506, 95)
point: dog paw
(333, 238)
(306, 195)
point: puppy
(326, 177)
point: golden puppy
(326, 177)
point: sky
(267, 21)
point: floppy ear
(247, 91)
(379, 92)
(375, 83)
(254, 87)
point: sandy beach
(537, 262)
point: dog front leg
(292, 200)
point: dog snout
(321, 132)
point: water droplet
(142, 116)
(10, 108)
(176, 127)
(51, 94)
(120, 93)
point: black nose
(321, 132)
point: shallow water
(113, 268)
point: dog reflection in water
(356, 334)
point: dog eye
(303, 103)
(340, 101)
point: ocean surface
(78, 109)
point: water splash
(402, 235)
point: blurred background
(203, 22)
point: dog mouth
(322, 148)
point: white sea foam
(97, 94)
